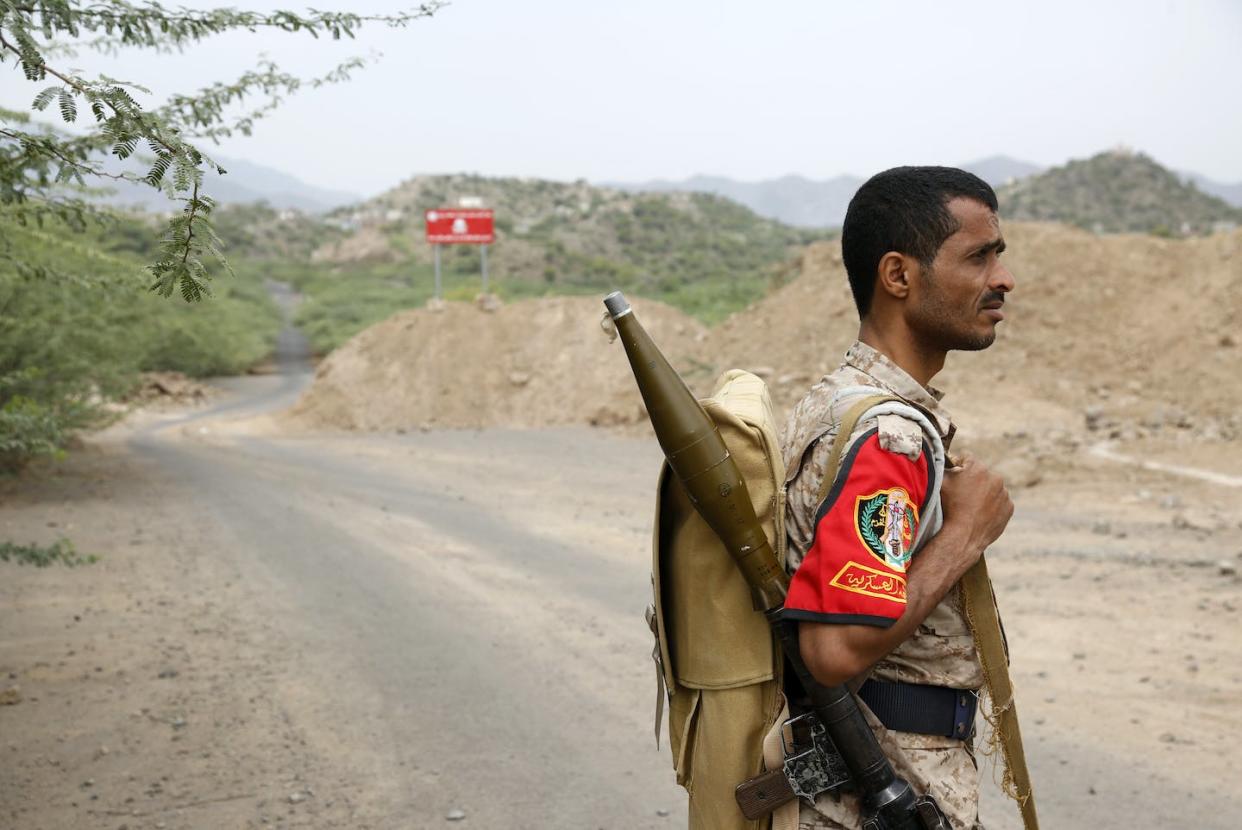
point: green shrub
(72, 343)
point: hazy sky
(635, 90)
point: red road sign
(449, 226)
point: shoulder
(819, 412)
(900, 434)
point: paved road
(488, 652)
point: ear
(894, 275)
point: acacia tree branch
(135, 20)
(77, 84)
(32, 142)
(43, 67)
(185, 254)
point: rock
(297, 798)
(11, 696)
(1197, 520)
(519, 378)
(1227, 341)
(662, 813)
(178, 722)
(1170, 502)
(488, 303)
(1227, 568)
(1020, 472)
(435, 304)
(1092, 415)
(455, 815)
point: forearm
(836, 653)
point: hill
(700, 252)
(1117, 191)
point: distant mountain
(245, 183)
(1002, 170)
(810, 203)
(1231, 193)
(1116, 191)
(794, 200)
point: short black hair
(904, 210)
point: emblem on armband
(885, 521)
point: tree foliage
(75, 327)
(39, 163)
(68, 349)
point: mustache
(993, 297)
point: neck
(918, 362)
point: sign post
(460, 226)
(436, 247)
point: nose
(1002, 279)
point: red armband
(854, 570)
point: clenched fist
(975, 503)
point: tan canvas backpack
(716, 657)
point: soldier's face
(957, 303)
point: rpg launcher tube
(698, 457)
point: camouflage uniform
(941, 652)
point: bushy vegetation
(70, 345)
(701, 253)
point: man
(875, 592)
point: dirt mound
(1126, 337)
(1129, 336)
(533, 363)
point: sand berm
(1128, 336)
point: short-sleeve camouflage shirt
(870, 531)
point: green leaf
(68, 106)
(45, 97)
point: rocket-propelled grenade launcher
(699, 459)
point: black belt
(927, 710)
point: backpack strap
(852, 416)
(979, 603)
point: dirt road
(333, 630)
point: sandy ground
(326, 629)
